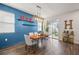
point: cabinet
(68, 36)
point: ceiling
(47, 9)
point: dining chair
(31, 33)
(35, 32)
(29, 43)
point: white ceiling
(47, 9)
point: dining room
(39, 29)
(19, 27)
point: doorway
(54, 30)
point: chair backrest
(27, 40)
(35, 32)
(31, 33)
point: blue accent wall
(20, 30)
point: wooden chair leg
(31, 49)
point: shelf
(28, 25)
(26, 21)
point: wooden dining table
(39, 38)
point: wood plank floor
(50, 47)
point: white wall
(69, 16)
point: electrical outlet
(6, 39)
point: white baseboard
(76, 42)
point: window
(39, 26)
(7, 22)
